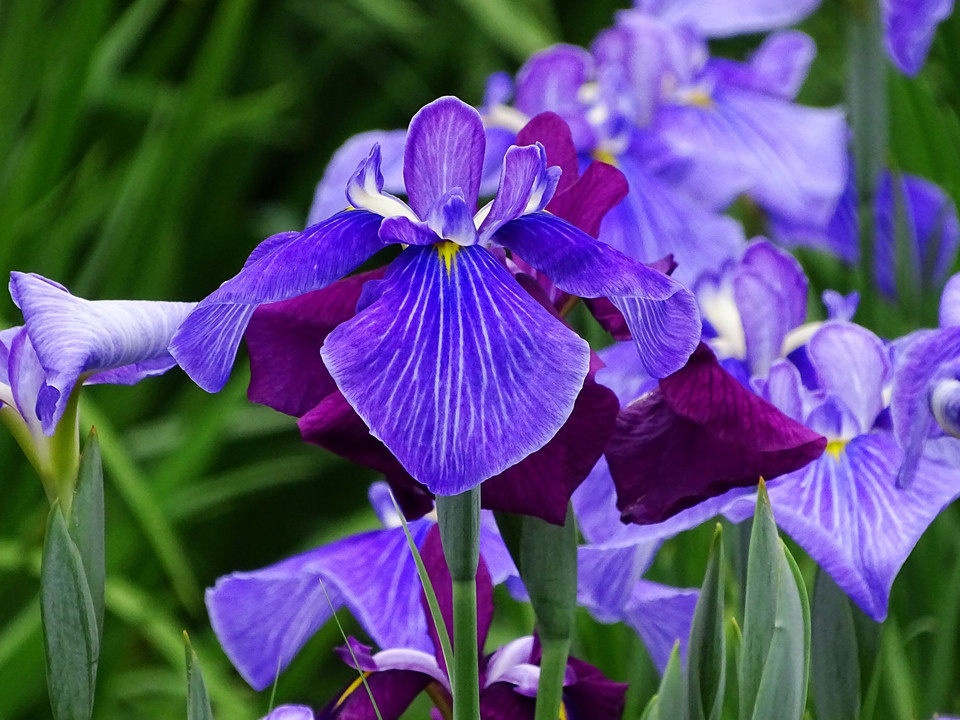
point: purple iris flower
(925, 403)
(721, 18)
(508, 678)
(263, 617)
(910, 26)
(290, 712)
(67, 341)
(447, 360)
(931, 220)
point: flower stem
(553, 667)
(459, 520)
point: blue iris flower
(451, 364)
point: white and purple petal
(662, 315)
(282, 267)
(526, 186)
(365, 190)
(448, 367)
(444, 150)
(75, 338)
(262, 618)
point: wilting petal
(526, 186)
(847, 513)
(74, 337)
(448, 367)
(910, 27)
(281, 267)
(718, 18)
(661, 615)
(550, 80)
(661, 315)
(444, 150)
(700, 434)
(541, 484)
(329, 197)
(290, 712)
(770, 290)
(853, 366)
(263, 618)
(930, 356)
(790, 159)
(656, 219)
(284, 339)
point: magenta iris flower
(451, 364)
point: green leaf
(773, 664)
(706, 661)
(836, 662)
(670, 694)
(86, 522)
(70, 631)
(198, 704)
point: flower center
(447, 250)
(835, 448)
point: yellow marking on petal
(447, 251)
(700, 99)
(604, 156)
(563, 712)
(351, 688)
(835, 448)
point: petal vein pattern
(456, 369)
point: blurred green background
(145, 149)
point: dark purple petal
(329, 197)
(700, 434)
(436, 565)
(592, 696)
(74, 338)
(262, 618)
(600, 188)
(609, 318)
(719, 18)
(526, 186)
(447, 367)
(444, 150)
(550, 80)
(206, 343)
(541, 484)
(910, 26)
(550, 130)
(392, 690)
(770, 290)
(500, 701)
(284, 339)
(847, 513)
(661, 314)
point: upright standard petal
(526, 186)
(661, 314)
(75, 338)
(699, 435)
(444, 150)
(281, 267)
(262, 618)
(455, 368)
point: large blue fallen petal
(846, 511)
(455, 368)
(75, 338)
(662, 315)
(262, 618)
(206, 344)
(444, 150)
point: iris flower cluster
(430, 338)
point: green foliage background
(146, 147)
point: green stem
(553, 667)
(866, 94)
(459, 520)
